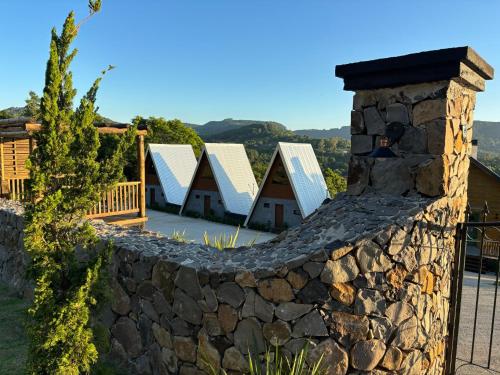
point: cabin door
(278, 215)
(152, 196)
(206, 205)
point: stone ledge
(429, 66)
(344, 220)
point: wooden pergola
(125, 204)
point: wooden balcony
(121, 205)
(125, 204)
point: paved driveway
(164, 223)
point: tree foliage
(66, 179)
(335, 182)
(32, 108)
(170, 131)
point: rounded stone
(234, 360)
(185, 348)
(276, 290)
(128, 336)
(277, 333)
(248, 337)
(343, 292)
(340, 271)
(231, 294)
(392, 359)
(399, 312)
(365, 355)
(228, 317)
(334, 359)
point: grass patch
(13, 340)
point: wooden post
(142, 175)
(2, 171)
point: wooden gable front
(277, 183)
(204, 178)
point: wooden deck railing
(17, 188)
(123, 199)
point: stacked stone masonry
(365, 280)
(433, 154)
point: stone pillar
(432, 96)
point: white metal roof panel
(305, 175)
(175, 166)
(233, 174)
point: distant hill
(488, 135)
(343, 132)
(217, 127)
(261, 137)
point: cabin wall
(264, 213)
(13, 157)
(159, 198)
(484, 187)
(196, 203)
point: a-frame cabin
(292, 188)
(169, 170)
(223, 186)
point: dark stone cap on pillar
(461, 63)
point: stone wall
(433, 153)
(364, 279)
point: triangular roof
(304, 174)
(175, 166)
(233, 175)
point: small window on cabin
(296, 212)
(162, 195)
(279, 175)
(197, 196)
(219, 201)
(266, 205)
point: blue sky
(201, 60)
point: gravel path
(483, 328)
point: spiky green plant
(179, 236)
(223, 241)
(275, 363)
(66, 179)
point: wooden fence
(123, 199)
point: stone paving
(487, 292)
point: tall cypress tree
(66, 180)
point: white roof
(304, 173)
(233, 175)
(175, 166)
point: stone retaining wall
(364, 279)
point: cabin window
(266, 205)
(296, 212)
(219, 201)
(197, 196)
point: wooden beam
(110, 130)
(128, 222)
(142, 175)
